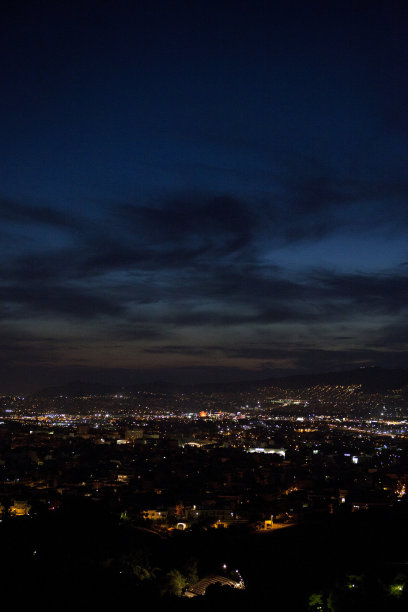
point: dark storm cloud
(171, 233)
(311, 359)
(393, 336)
(207, 259)
(308, 204)
(252, 297)
(17, 346)
(179, 350)
(270, 358)
(187, 251)
(47, 266)
(131, 330)
(56, 300)
(188, 217)
(18, 212)
(383, 293)
(305, 207)
(230, 318)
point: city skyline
(201, 191)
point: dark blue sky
(201, 190)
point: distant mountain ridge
(371, 379)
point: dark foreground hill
(82, 556)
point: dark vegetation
(82, 556)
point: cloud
(153, 279)
(25, 214)
(179, 350)
(22, 347)
(192, 287)
(392, 337)
(40, 299)
(379, 293)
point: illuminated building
(20, 508)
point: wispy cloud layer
(196, 266)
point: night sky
(201, 191)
